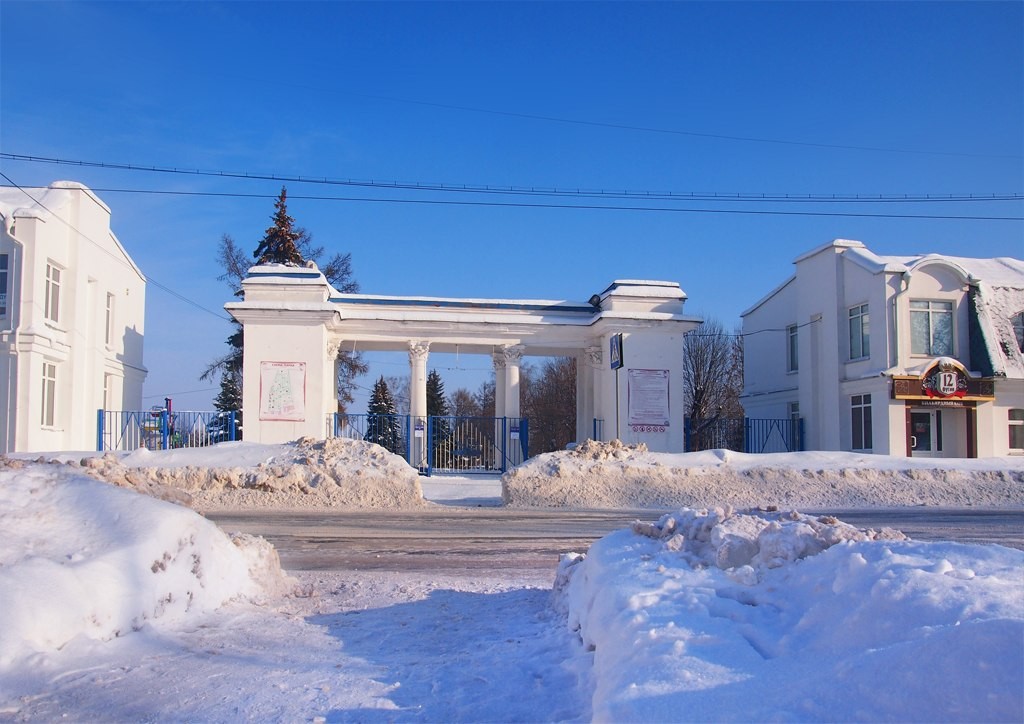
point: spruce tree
(279, 244)
(382, 426)
(296, 245)
(437, 411)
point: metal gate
(476, 444)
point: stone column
(513, 354)
(587, 391)
(499, 383)
(418, 352)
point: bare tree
(463, 403)
(549, 402)
(712, 385)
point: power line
(528, 190)
(585, 207)
(668, 131)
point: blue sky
(728, 98)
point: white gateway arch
(627, 341)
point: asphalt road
(452, 538)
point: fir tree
(236, 263)
(279, 244)
(437, 411)
(382, 425)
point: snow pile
(614, 475)
(83, 559)
(309, 473)
(717, 616)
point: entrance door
(924, 434)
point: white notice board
(283, 391)
(648, 399)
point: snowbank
(719, 616)
(614, 475)
(82, 558)
(309, 473)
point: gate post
(504, 442)
(164, 434)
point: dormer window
(931, 328)
(1017, 321)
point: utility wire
(527, 191)
(669, 131)
(585, 207)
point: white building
(71, 319)
(917, 355)
(627, 341)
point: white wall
(76, 237)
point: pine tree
(279, 244)
(382, 425)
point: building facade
(916, 355)
(72, 306)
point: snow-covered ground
(119, 606)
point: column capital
(418, 350)
(595, 356)
(499, 360)
(333, 347)
(513, 353)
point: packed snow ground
(119, 606)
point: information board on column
(283, 391)
(648, 400)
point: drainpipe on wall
(14, 276)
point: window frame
(932, 312)
(108, 331)
(48, 408)
(859, 317)
(5, 280)
(51, 302)
(1015, 423)
(861, 427)
(792, 348)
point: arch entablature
(292, 316)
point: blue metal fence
(441, 443)
(159, 429)
(747, 434)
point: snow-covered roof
(51, 201)
(998, 298)
(41, 202)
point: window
(860, 327)
(49, 411)
(3, 285)
(792, 350)
(109, 333)
(1017, 431)
(931, 328)
(1018, 329)
(794, 411)
(860, 416)
(52, 303)
(108, 391)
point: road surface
(446, 538)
